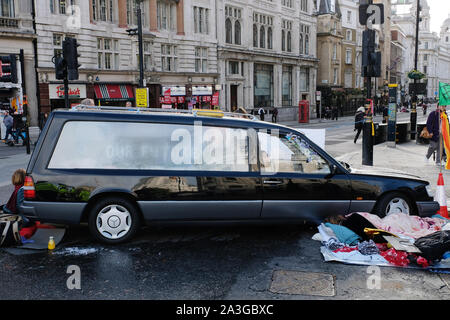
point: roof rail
(194, 112)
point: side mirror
(333, 171)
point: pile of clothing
(396, 240)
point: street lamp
(414, 100)
(138, 31)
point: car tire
(394, 202)
(114, 220)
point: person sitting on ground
(17, 197)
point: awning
(113, 91)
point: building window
(255, 36)
(304, 79)
(201, 20)
(147, 56)
(335, 76)
(233, 19)
(166, 15)
(269, 38)
(108, 54)
(233, 67)
(56, 6)
(425, 69)
(425, 57)
(201, 59)
(103, 10)
(287, 86)
(349, 35)
(168, 57)
(287, 3)
(263, 85)
(304, 39)
(334, 51)
(286, 39)
(237, 32)
(57, 44)
(261, 25)
(349, 16)
(304, 5)
(262, 37)
(228, 31)
(348, 56)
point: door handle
(273, 182)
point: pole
(367, 143)
(141, 51)
(24, 93)
(414, 100)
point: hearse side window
(289, 153)
(150, 146)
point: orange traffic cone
(440, 197)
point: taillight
(29, 192)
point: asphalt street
(205, 262)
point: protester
(274, 114)
(359, 122)
(17, 197)
(8, 121)
(261, 113)
(433, 128)
(334, 113)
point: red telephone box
(303, 111)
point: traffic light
(70, 53)
(371, 60)
(60, 68)
(8, 68)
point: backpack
(9, 230)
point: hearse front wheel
(114, 220)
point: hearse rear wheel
(114, 220)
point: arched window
(289, 46)
(228, 31)
(262, 37)
(269, 38)
(237, 32)
(283, 41)
(307, 45)
(255, 36)
(301, 44)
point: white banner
(76, 91)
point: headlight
(429, 191)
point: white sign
(175, 90)
(202, 90)
(76, 91)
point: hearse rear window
(150, 146)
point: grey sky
(439, 11)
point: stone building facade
(267, 54)
(16, 33)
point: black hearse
(117, 169)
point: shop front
(187, 97)
(116, 95)
(77, 92)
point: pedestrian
(433, 127)
(359, 122)
(8, 121)
(385, 114)
(274, 114)
(128, 104)
(261, 113)
(327, 113)
(424, 107)
(334, 113)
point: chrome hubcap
(113, 222)
(397, 205)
